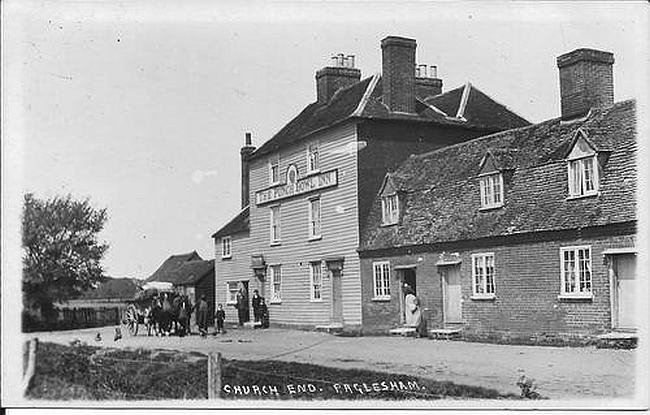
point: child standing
(221, 316)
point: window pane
(377, 279)
(589, 174)
(497, 189)
(569, 271)
(479, 275)
(316, 281)
(489, 274)
(385, 280)
(482, 186)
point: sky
(141, 106)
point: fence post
(214, 375)
(31, 365)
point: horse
(182, 311)
(152, 318)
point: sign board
(301, 186)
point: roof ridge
(463, 101)
(366, 95)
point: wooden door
(453, 305)
(337, 297)
(625, 270)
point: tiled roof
(364, 100)
(238, 224)
(441, 188)
(187, 273)
(171, 264)
(113, 288)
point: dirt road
(565, 373)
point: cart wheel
(131, 320)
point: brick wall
(527, 280)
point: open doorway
(406, 276)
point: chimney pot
(427, 83)
(586, 81)
(340, 74)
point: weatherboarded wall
(235, 268)
(339, 230)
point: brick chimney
(427, 83)
(586, 81)
(398, 74)
(340, 74)
(245, 153)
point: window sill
(312, 172)
(226, 258)
(381, 299)
(275, 243)
(319, 300)
(231, 302)
(314, 238)
(275, 302)
(274, 185)
(586, 195)
(483, 297)
(488, 208)
(389, 224)
(580, 297)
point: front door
(624, 267)
(337, 296)
(452, 298)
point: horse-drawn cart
(140, 308)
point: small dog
(118, 334)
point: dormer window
(313, 158)
(390, 203)
(390, 209)
(582, 168)
(491, 190)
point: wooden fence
(75, 318)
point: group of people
(260, 309)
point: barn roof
(187, 273)
(171, 264)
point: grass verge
(91, 373)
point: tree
(62, 253)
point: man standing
(256, 300)
(202, 316)
(242, 306)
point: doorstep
(403, 331)
(444, 334)
(330, 328)
(617, 340)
